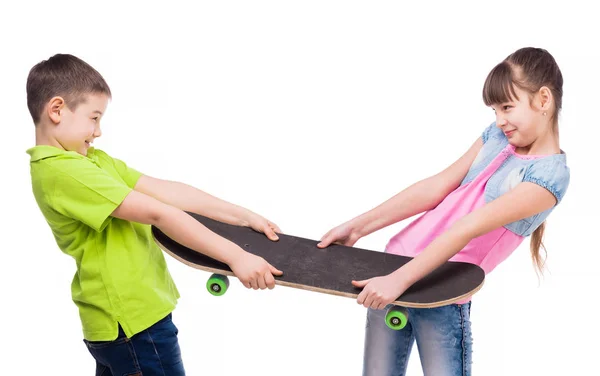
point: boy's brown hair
(62, 75)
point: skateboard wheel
(217, 284)
(396, 318)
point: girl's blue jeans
(443, 337)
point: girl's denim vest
(550, 172)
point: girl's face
(522, 120)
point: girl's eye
(505, 107)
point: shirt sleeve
(127, 173)
(552, 174)
(84, 192)
(492, 131)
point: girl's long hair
(529, 69)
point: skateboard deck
(329, 270)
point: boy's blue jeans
(154, 351)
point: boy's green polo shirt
(121, 273)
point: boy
(100, 212)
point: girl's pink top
(487, 250)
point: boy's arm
(253, 271)
(523, 201)
(191, 199)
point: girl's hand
(378, 292)
(345, 234)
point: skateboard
(328, 270)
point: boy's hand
(263, 225)
(254, 272)
(344, 234)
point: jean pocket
(119, 356)
(103, 344)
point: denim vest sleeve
(492, 132)
(550, 173)
(494, 141)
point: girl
(477, 210)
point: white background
(308, 113)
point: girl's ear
(545, 98)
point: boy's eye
(506, 107)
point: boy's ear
(55, 106)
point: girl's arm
(417, 198)
(525, 200)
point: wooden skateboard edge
(318, 289)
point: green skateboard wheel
(396, 318)
(217, 284)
